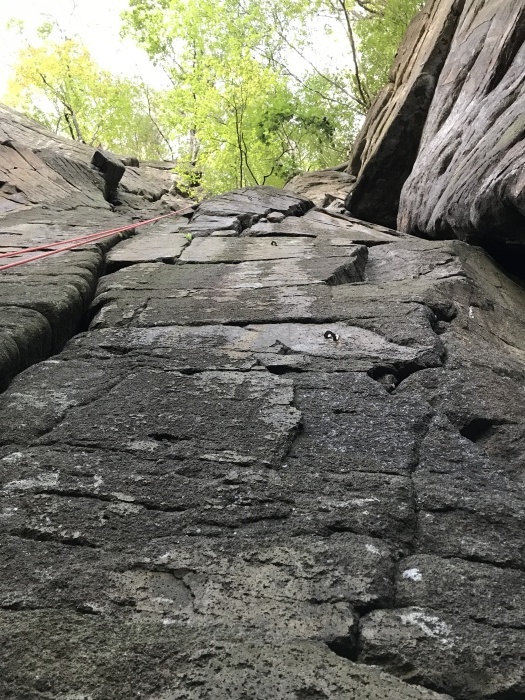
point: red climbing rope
(71, 243)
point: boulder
(385, 150)
(468, 178)
(112, 169)
(322, 186)
(131, 161)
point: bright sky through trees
(238, 92)
(97, 22)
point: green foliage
(248, 102)
(380, 32)
(236, 115)
(60, 85)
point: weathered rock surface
(322, 187)
(112, 170)
(283, 459)
(200, 669)
(71, 162)
(50, 193)
(467, 180)
(441, 150)
(386, 148)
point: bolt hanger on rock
(330, 335)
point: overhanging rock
(387, 145)
(468, 179)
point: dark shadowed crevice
(478, 429)
(508, 695)
(386, 166)
(391, 375)
(165, 437)
(345, 647)
(280, 369)
(113, 266)
(28, 533)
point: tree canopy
(58, 84)
(249, 100)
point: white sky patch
(98, 23)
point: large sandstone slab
(446, 652)
(467, 180)
(27, 181)
(69, 161)
(363, 343)
(317, 224)
(160, 242)
(430, 581)
(233, 250)
(241, 208)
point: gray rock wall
(467, 180)
(281, 455)
(50, 193)
(441, 151)
(287, 462)
(387, 145)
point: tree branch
(365, 97)
(155, 124)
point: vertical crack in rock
(508, 51)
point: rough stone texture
(467, 180)
(241, 208)
(386, 148)
(322, 187)
(164, 242)
(112, 170)
(51, 193)
(71, 162)
(319, 224)
(283, 459)
(199, 669)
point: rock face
(60, 164)
(386, 148)
(455, 147)
(322, 187)
(281, 457)
(50, 193)
(112, 170)
(468, 177)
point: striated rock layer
(442, 149)
(49, 192)
(468, 178)
(386, 147)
